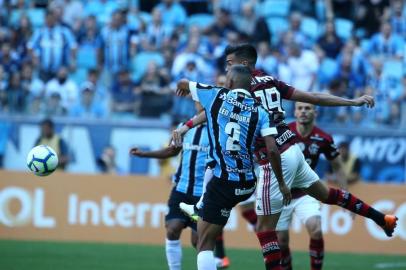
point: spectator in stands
(295, 23)
(73, 12)
(156, 95)
(9, 59)
(50, 138)
(88, 106)
(351, 163)
(303, 66)
(396, 17)
(223, 23)
(53, 106)
(157, 33)
(125, 96)
(16, 96)
(107, 161)
(90, 41)
(20, 36)
(353, 80)
(173, 14)
(329, 42)
(189, 54)
(368, 16)
(65, 87)
(52, 47)
(246, 22)
(118, 45)
(265, 60)
(386, 44)
(30, 83)
(101, 93)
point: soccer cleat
(390, 224)
(222, 263)
(190, 210)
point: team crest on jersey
(313, 149)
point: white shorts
(303, 208)
(296, 173)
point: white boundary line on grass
(390, 265)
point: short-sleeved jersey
(190, 173)
(270, 92)
(316, 143)
(235, 120)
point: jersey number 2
(233, 141)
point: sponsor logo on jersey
(234, 102)
(189, 146)
(236, 170)
(225, 213)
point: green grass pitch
(27, 255)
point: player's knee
(313, 225)
(173, 231)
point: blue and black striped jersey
(190, 173)
(235, 120)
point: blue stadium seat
(277, 25)
(328, 70)
(344, 28)
(86, 57)
(393, 69)
(79, 76)
(201, 20)
(274, 8)
(310, 27)
(140, 63)
(37, 17)
(15, 16)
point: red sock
(250, 216)
(286, 260)
(270, 249)
(348, 201)
(219, 247)
(316, 253)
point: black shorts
(175, 198)
(221, 196)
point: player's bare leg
(321, 192)
(269, 241)
(207, 234)
(316, 247)
(286, 258)
(173, 247)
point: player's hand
(182, 89)
(177, 135)
(365, 100)
(135, 152)
(287, 196)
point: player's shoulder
(318, 132)
(292, 125)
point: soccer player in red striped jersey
(296, 172)
(313, 142)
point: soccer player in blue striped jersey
(188, 182)
(235, 120)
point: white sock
(205, 260)
(173, 250)
(208, 175)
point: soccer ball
(42, 160)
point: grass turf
(27, 255)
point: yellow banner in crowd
(106, 208)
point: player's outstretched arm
(324, 99)
(166, 152)
(275, 159)
(177, 134)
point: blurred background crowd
(104, 58)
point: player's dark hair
(241, 76)
(244, 52)
(47, 122)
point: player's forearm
(274, 158)
(199, 119)
(160, 154)
(324, 99)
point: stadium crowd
(102, 58)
